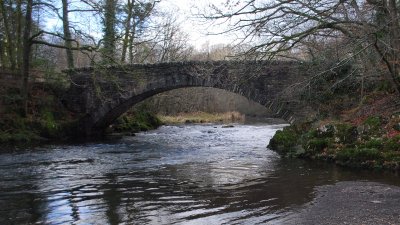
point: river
(191, 174)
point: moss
(374, 143)
(345, 155)
(373, 122)
(354, 156)
(346, 133)
(317, 145)
(342, 144)
(392, 144)
(138, 121)
(20, 137)
(44, 121)
(285, 141)
(391, 156)
(48, 125)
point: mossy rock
(284, 141)
(139, 121)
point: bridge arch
(102, 101)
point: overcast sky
(197, 31)
(182, 9)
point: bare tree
(173, 43)
(283, 25)
(26, 54)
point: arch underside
(101, 118)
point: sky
(198, 31)
(184, 10)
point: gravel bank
(351, 203)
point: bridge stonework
(102, 95)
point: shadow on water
(176, 175)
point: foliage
(346, 133)
(135, 122)
(374, 122)
(47, 119)
(374, 143)
(351, 155)
(317, 145)
(392, 144)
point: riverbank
(351, 203)
(49, 121)
(46, 119)
(202, 117)
(364, 137)
(374, 143)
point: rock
(228, 126)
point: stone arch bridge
(102, 95)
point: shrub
(317, 145)
(345, 154)
(327, 130)
(346, 133)
(392, 144)
(358, 155)
(374, 143)
(373, 123)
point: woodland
(351, 48)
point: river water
(192, 174)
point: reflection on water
(195, 174)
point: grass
(202, 117)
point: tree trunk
(2, 57)
(127, 29)
(10, 42)
(131, 38)
(67, 35)
(394, 28)
(26, 56)
(19, 34)
(109, 31)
